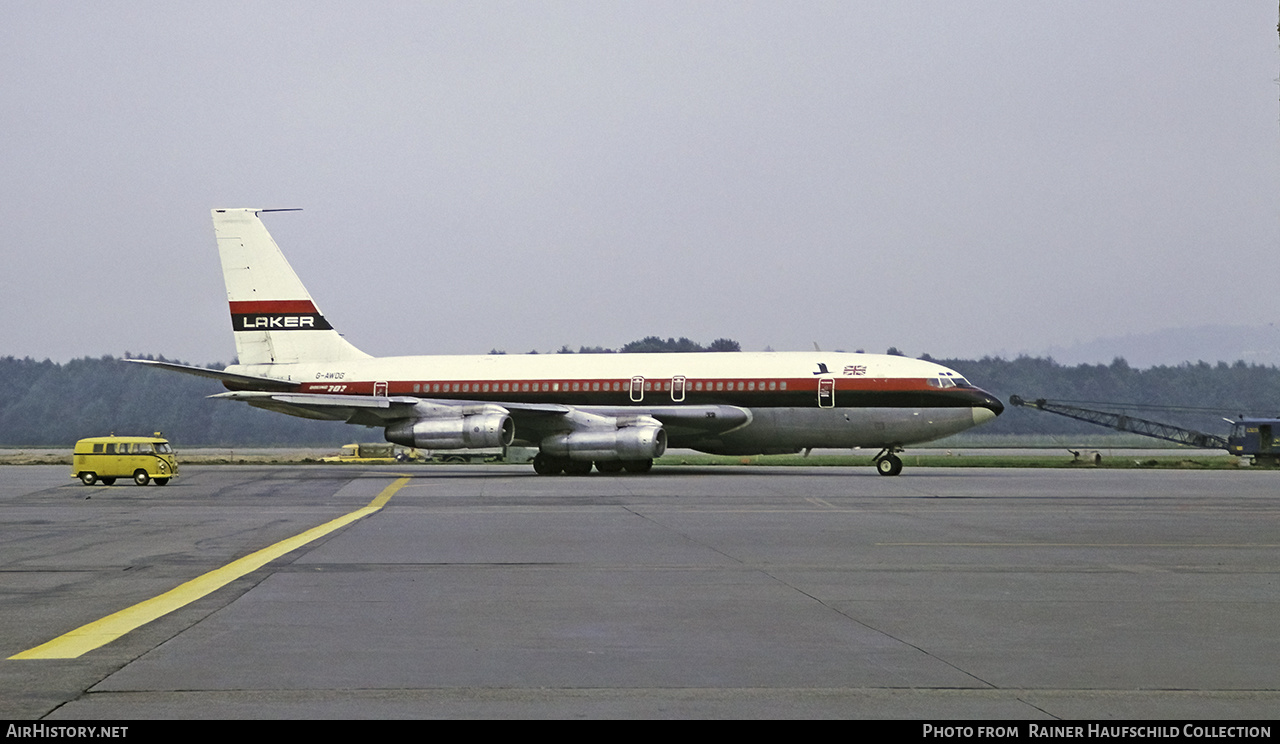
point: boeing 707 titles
(614, 411)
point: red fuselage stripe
(562, 385)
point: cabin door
(826, 392)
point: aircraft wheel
(546, 465)
(577, 467)
(88, 478)
(609, 466)
(141, 478)
(889, 465)
(638, 466)
(107, 481)
(162, 481)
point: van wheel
(162, 481)
(141, 477)
(88, 478)
(108, 481)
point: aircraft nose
(986, 407)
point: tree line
(49, 404)
(651, 345)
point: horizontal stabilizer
(227, 378)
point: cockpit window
(948, 382)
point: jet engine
(639, 442)
(454, 432)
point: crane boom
(1121, 422)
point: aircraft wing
(367, 410)
(537, 419)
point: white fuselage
(795, 400)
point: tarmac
(690, 592)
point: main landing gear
(547, 465)
(888, 463)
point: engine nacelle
(628, 443)
(454, 432)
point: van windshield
(164, 448)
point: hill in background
(1174, 346)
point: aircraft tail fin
(273, 316)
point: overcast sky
(951, 178)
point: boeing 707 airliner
(614, 411)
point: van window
(164, 448)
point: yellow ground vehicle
(107, 458)
(369, 454)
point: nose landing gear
(887, 462)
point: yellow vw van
(107, 458)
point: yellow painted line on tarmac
(86, 638)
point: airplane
(614, 411)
